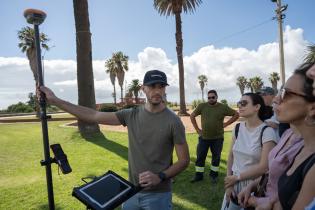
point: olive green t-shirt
(212, 117)
(151, 141)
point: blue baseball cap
(155, 77)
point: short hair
(213, 91)
(307, 82)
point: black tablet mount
(105, 192)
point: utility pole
(280, 9)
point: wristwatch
(162, 176)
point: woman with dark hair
(295, 103)
(311, 74)
(252, 142)
(279, 158)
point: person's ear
(142, 88)
(310, 118)
(257, 107)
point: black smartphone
(61, 158)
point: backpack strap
(309, 165)
(261, 134)
(237, 128)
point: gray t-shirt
(151, 141)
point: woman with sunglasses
(294, 105)
(311, 74)
(248, 157)
(279, 158)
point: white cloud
(66, 83)
(221, 65)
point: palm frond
(171, 7)
(310, 56)
(27, 40)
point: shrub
(108, 108)
(224, 101)
(51, 108)
(20, 108)
(129, 106)
(195, 103)
(172, 104)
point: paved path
(185, 119)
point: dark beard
(155, 103)
(212, 103)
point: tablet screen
(105, 190)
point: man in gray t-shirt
(152, 137)
(154, 131)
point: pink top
(279, 159)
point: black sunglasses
(284, 92)
(211, 97)
(242, 103)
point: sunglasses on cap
(284, 92)
(242, 103)
(211, 97)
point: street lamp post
(280, 17)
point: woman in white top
(248, 158)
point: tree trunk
(274, 86)
(115, 100)
(113, 79)
(179, 50)
(121, 78)
(242, 89)
(136, 97)
(202, 95)
(31, 55)
(86, 95)
(121, 94)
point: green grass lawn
(23, 181)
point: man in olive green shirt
(211, 133)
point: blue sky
(136, 28)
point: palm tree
(274, 78)
(85, 76)
(27, 45)
(256, 83)
(175, 7)
(120, 62)
(242, 83)
(109, 65)
(310, 56)
(135, 87)
(249, 85)
(202, 82)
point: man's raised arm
(81, 112)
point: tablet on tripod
(105, 192)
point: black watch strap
(162, 176)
